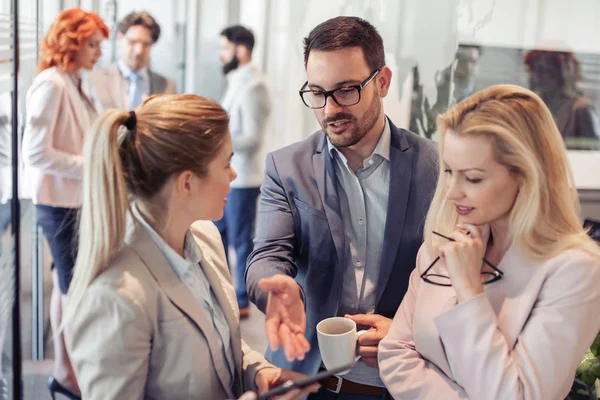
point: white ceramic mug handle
(359, 334)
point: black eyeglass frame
(330, 93)
(496, 275)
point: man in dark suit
(128, 82)
(341, 213)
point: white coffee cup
(337, 337)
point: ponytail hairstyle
(130, 156)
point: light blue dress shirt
(363, 204)
(139, 86)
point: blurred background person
(452, 88)
(59, 114)
(554, 76)
(248, 103)
(152, 310)
(466, 71)
(127, 83)
(503, 300)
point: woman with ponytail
(152, 311)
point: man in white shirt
(248, 104)
(127, 83)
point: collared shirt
(363, 202)
(191, 272)
(144, 81)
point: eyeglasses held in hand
(487, 277)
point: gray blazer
(108, 88)
(139, 333)
(300, 230)
(248, 103)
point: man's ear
(384, 80)
(242, 53)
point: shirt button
(360, 221)
(358, 264)
(371, 162)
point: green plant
(588, 371)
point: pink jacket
(57, 121)
(523, 338)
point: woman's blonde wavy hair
(545, 219)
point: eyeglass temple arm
(485, 261)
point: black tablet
(300, 384)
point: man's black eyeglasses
(344, 97)
(443, 280)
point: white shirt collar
(179, 264)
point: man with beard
(248, 104)
(341, 213)
(126, 84)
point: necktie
(135, 90)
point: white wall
(212, 18)
(254, 16)
(531, 23)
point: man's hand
(269, 378)
(285, 318)
(368, 342)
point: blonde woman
(152, 312)
(503, 302)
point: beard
(231, 65)
(356, 129)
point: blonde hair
(545, 218)
(173, 133)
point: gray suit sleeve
(275, 241)
(255, 109)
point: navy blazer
(300, 231)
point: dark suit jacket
(300, 230)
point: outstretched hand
(285, 316)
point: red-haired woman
(59, 114)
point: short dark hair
(344, 32)
(239, 35)
(142, 19)
(471, 46)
